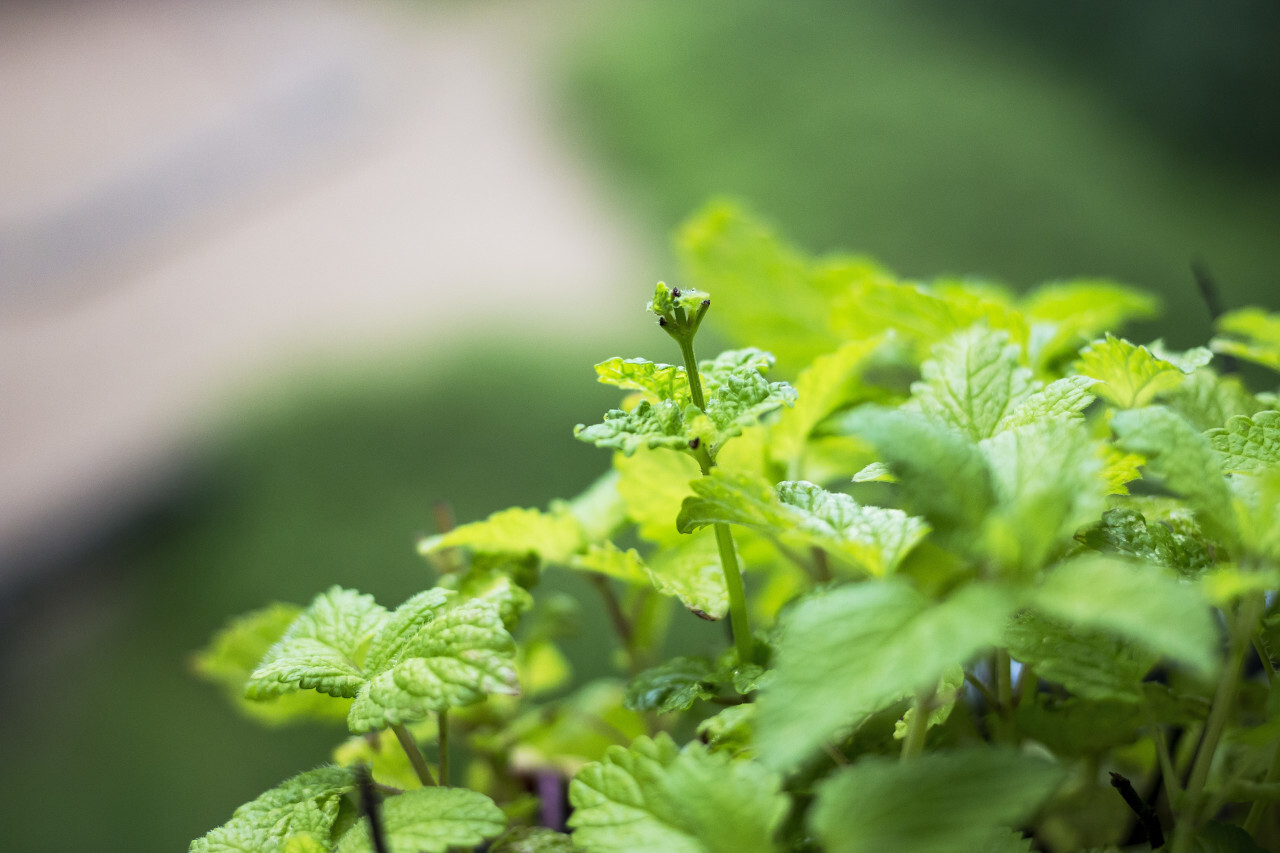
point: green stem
(1027, 675)
(737, 594)
(691, 371)
(442, 725)
(1265, 659)
(1172, 785)
(738, 619)
(1004, 680)
(913, 744)
(410, 748)
(1242, 628)
(621, 625)
(981, 688)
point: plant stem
(1265, 659)
(442, 742)
(1003, 704)
(691, 372)
(981, 688)
(918, 727)
(738, 619)
(1241, 633)
(1028, 674)
(415, 756)
(621, 624)
(1172, 785)
(1004, 680)
(737, 594)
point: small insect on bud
(675, 293)
(662, 321)
(706, 303)
(694, 443)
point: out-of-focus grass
(936, 144)
(111, 743)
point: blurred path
(197, 196)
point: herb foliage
(981, 560)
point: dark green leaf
(944, 802)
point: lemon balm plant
(995, 579)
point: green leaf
(1088, 663)
(1183, 458)
(654, 796)
(1065, 398)
(234, 652)
(671, 686)
(652, 484)
(737, 398)
(651, 425)
(829, 383)
(1047, 480)
(610, 560)
(856, 649)
(297, 809)
(1224, 838)
(1248, 444)
(944, 701)
(1119, 469)
(972, 382)
(716, 371)
(322, 649)
(941, 802)
(691, 571)
(1260, 334)
(532, 839)
(429, 820)
(872, 538)
(1075, 726)
(553, 536)
(502, 579)
(1130, 375)
(732, 730)
(656, 381)
(1174, 543)
(1188, 361)
(1135, 601)
(1258, 513)
(1208, 400)
(921, 316)
(402, 625)
(767, 292)
(456, 655)
(943, 477)
(599, 510)
(1065, 315)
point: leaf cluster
(980, 557)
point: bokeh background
(275, 278)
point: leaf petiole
(410, 748)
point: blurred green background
(1013, 141)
